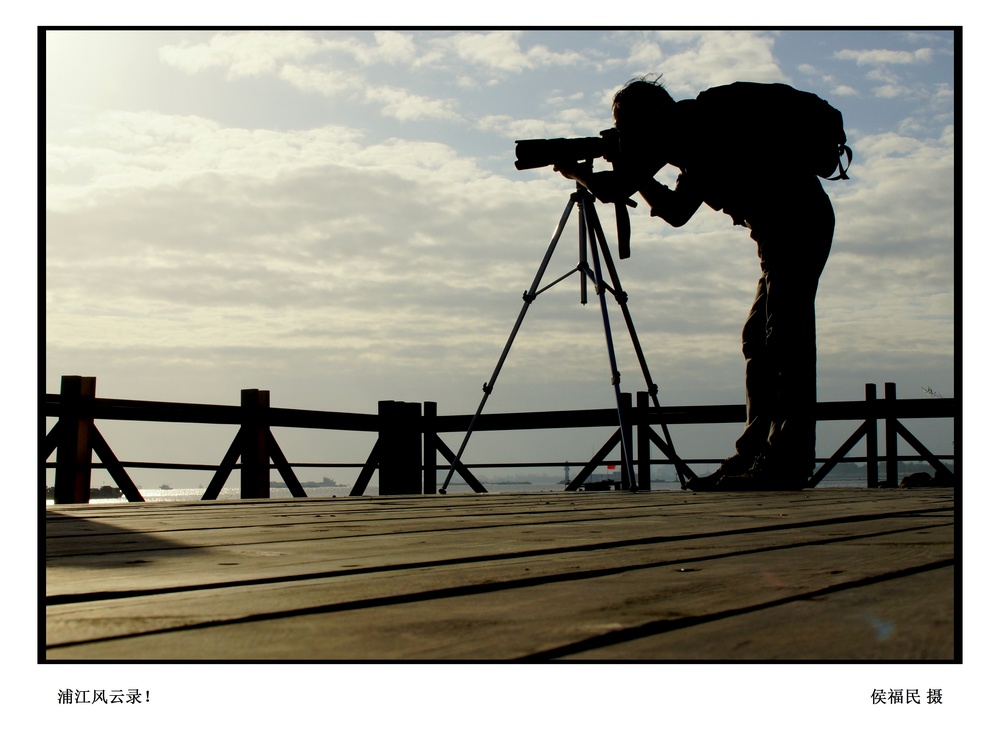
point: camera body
(532, 153)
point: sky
(334, 216)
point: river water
(455, 487)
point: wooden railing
(408, 439)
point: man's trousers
(779, 337)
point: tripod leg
(683, 470)
(582, 264)
(626, 439)
(528, 297)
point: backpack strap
(843, 149)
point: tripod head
(607, 187)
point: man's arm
(675, 206)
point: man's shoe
(763, 475)
(734, 465)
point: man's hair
(643, 96)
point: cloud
(879, 57)
(262, 52)
(242, 54)
(900, 198)
(326, 82)
(501, 51)
(223, 237)
(405, 106)
(891, 71)
(390, 47)
(691, 61)
(120, 150)
(312, 63)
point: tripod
(589, 226)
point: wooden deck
(852, 574)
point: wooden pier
(821, 574)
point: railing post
(891, 459)
(627, 448)
(643, 474)
(255, 468)
(871, 436)
(74, 453)
(430, 448)
(399, 448)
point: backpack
(794, 129)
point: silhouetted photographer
(755, 152)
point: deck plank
(826, 573)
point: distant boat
(320, 484)
(166, 487)
(326, 482)
(105, 492)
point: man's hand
(578, 171)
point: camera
(533, 153)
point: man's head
(641, 102)
(642, 114)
